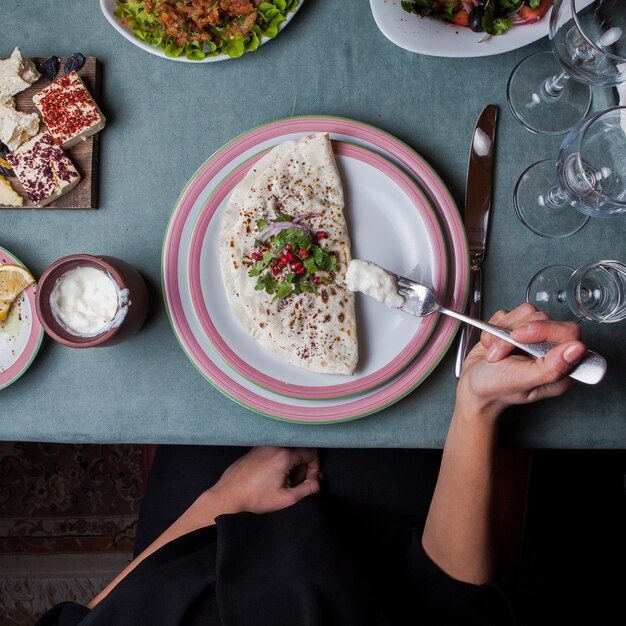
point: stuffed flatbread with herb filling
(285, 253)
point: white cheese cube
(16, 74)
(16, 127)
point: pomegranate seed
(288, 247)
(296, 266)
(284, 259)
(292, 257)
(320, 234)
(256, 256)
(317, 280)
(304, 253)
(275, 271)
(300, 271)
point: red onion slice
(530, 20)
(305, 216)
(276, 227)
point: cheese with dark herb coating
(43, 169)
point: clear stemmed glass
(594, 292)
(588, 40)
(589, 175)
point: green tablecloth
(165, 118)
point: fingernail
(573, 353)
(492, 352)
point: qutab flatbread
(284, 256)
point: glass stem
(556, 198)
(553, 87)
(560, 296)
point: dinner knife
(476, 218)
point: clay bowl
(124, 275)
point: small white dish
(435, 38)
(108, 9)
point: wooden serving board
(83, 155)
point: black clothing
(349, 556)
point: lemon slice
(13, 280)
(5, 305)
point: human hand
(493, 378)
(268, 479)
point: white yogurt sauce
(88, 302)
(374, 281)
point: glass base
(535, 109)
(546, 290)
(535, 209)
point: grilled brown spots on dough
(341, 317)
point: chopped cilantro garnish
(266, 282)
(259, 266)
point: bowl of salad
(462, 28)
(199, 31)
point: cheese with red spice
(68, 110)
(43, 169)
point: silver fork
(421, 301)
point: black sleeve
(444, 601)
(64, 614)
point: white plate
(108, 9)
(430, 36)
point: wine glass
(594, 292)
(589, 175)
(588, 39)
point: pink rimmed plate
(390, 222)
(178, 301)
(20, 334)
